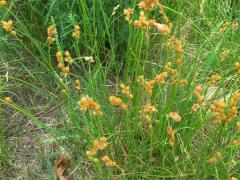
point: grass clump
(127, 90)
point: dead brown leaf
(61, 165)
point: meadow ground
(140, 89)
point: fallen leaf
(61, 165)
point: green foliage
(122, 53)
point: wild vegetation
(141, 89)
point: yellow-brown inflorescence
(180, 81)
(175, 116)
(51, 31)
(76, 32)
(169, 68)
(88, 103)
(148, 5)
(218, 109)
(224, 27)
(165, 18)
(108, 162)
(149, 84)
(214, 79)
(237, 65)
(8, 26)
(3, 3)
(61, 66)
(126, 91)
(238, 126)
(98, 144)
(147, 114)
(78, 85)
(68, 57)
(224, 113)
(233, 107)
(197, 92)
(235, 142)
(161, 78)
(214, 159)
(118, 102)
(8, 99)
(179, 49)
(144, 22)
(128, 12)
(224, 54)
(88, 59)
(171, 134)
(176, 45)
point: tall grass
(138, 141)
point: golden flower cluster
(3, 3)
(149, 109)
(197, 92)
(61, 66)
(171, 134)
(148, 85)
(78, 85)
(76, 32)
(118, 102)
(164, 16)
(233, 107)
(68, 57)
(88, 103)
(237, 65)
(195, 107)
(173, 74)
(160, 78)
(224, 27)
(147, 113)
(214, 79)
(224, 54)
(179, 49)
(224, 113)
(8, 26)
(88, 59)
(8, 100)
(98, 144)
(126, 91)
(168, 67)
(180, 81)
(218, 109)
(51, 31)
(108, 162)
(143, 22)
(238, 126)
(148, 5)
(175, 116)
(235, 142)
(128, 12)
(176, 44)
(214, 159)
